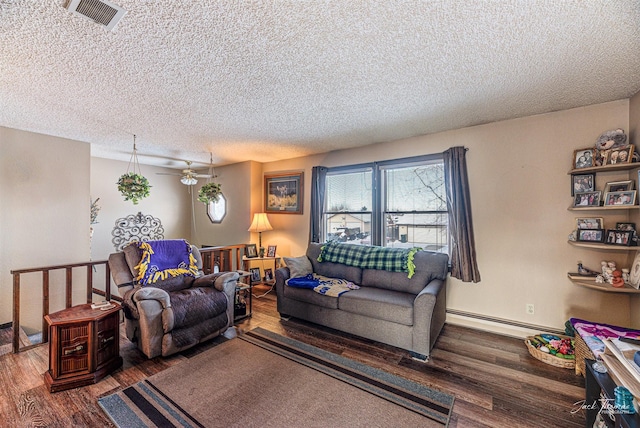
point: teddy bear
(611, 139)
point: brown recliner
(173, 314)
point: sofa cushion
(428, 266)
(377, 303)
(332, 270)
(298, 266)
(309, 296)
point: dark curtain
(318, 183)
(462, 243)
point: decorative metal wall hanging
(136, 227)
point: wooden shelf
(606, 168)
(592, 284)
(605, 247)
(605, 208)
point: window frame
(378, 194)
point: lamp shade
(260, 223)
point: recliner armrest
(224, 281)
(152, 293)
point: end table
(84, 346)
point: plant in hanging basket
(133, 187)
(210, 192)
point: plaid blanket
(368, 257)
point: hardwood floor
(494, 379)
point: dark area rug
(264, 379)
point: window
(217, 210)
(398, 203)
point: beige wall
(238, 183)
(634, 137)
(520, 192)
(519, 185)
(169, 200)
(44, 215)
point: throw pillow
(298, 266)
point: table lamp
(260, 224)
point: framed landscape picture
(283, 193)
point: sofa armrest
(429, 313)
(282, 275)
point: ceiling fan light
(188, 181)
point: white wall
(44, 215)
(169, 200)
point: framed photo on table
(268, 274)
(255, 274)
(271, 251)
(251, 251)
(283, 193)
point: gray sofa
(389, 307)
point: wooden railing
(90, 290)
(227, 258)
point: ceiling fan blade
(169, 173)
(203, 175)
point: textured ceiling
(268, 80)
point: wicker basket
(549, 358)
(582, 351)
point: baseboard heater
(510, 323)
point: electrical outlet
(530, 309)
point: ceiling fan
(189, 177)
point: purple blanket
(162, 259)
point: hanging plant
(133, 187)
(210, 192)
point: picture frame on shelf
(581, 183)
(251, 251)
(634, 273)
(620, 198)
(268, 275)
(618, 186)
(590, 235)
(587, 199)
(589, 223)
(283, 193)
(584, 158)
(619, 237)
(271, 250)
(626, 226)
(255, 274)
(618, 156)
